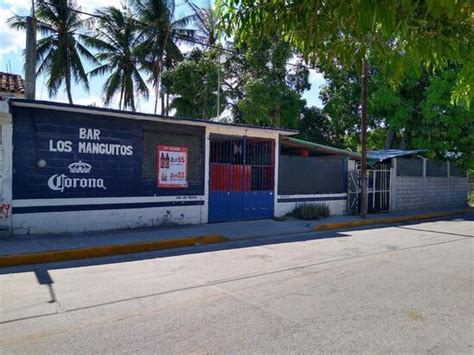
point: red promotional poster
(172, 166)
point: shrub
(311, 211)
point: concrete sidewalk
(46, 248)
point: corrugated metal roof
(391, 153)
(12, 83)
(319, 147)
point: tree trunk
(389, 140)
(167, 104)
(30, 58)
(363, 139)
(162, 97)
(157, 94)
(405, 140)
(121, 96)
(68, 87)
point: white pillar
(277, 164)
(6, 173)
(207, 155)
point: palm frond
(17, 22)
(100, 70)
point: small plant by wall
(310, 211)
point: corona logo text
(61, 182)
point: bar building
(72, 168)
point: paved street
(407, 288)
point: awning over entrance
(315, 148)
(381, 155)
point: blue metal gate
(241, 182)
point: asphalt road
(407, 288)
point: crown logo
(79, 168)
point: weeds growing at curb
(308, 211)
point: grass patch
(470, 199)
(310, 211)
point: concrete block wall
(416, 192)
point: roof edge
(20, 102)
(325, 147)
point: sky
(12, 44)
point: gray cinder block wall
(429, 192)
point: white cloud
(11, 41)
(92, 5)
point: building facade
(70, 168)
(78, 168)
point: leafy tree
(261, 88)
(417, 114)
(161, 33)
(116, 40)
(340, 96)
(315, 126)
(445, 129)
(60, 52)
(193, 83)
(402, 34)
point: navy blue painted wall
(122, 175)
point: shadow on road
(44, 278)
(41, 270)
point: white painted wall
(81, 221)
(337, 207)
(6, 155)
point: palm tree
(116, 39)
(205, 19)
(161, 32)
(60, 51)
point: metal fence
(311, 175)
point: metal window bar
(251, 160)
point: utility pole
(363, 139)
(30, 54)
(218, 82)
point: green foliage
(444, 128)
(116, 40)
(404, 35)
(417, 114)
(268, 104)
(205, 20)
(376, 139)
(314, 126)
(60, 51)
(193, 84)
(470, 199)
(309, 211)
(261, 89)
(160, 34)
(341, 98)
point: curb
(106, 250)
(384, 220)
